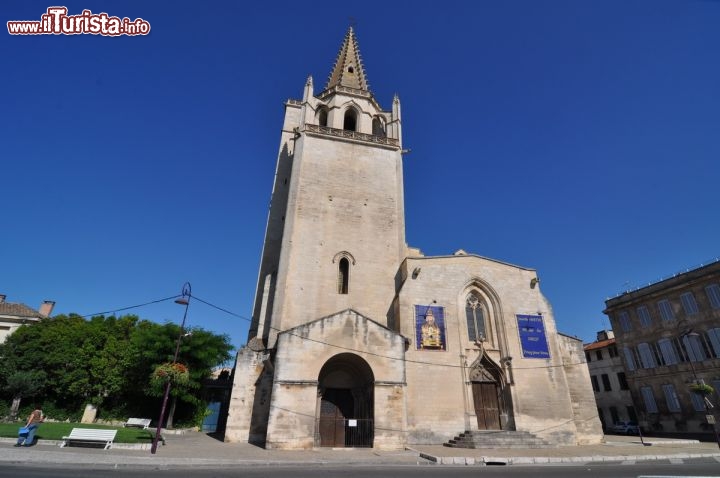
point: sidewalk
(194, 449)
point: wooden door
(335, 407)
(487, 406)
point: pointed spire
(348, 70)
(308, 92)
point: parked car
(626, 428)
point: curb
(122, 446)
(549, 460)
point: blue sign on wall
(532, 336)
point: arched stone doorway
(488, 395)
(345, 402)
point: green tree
(84, 360)
(21, 384)
(107, 362)
(19, 378)
(200, 351)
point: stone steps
(497, 439)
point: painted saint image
(430, 327)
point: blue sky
(579, 138)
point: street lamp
(708, 413)
(184, 299)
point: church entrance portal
(345, 412)
(486, 380)
(487, 405)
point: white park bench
(90, 435)
(143, 423)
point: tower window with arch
(322, 117)
(343, 276)
(350, 120)
(378, 127)
(475, 315)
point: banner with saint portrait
(430, 327)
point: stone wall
(243, 401)
(301, 354)
(582, 398)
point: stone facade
(535, 394)
(358, 339)
(668, 335)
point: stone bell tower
(319, 339)
(336, 230)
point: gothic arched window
(378, 127)
(475, 314)
(350, 120)
(343, 275)
(322, 117)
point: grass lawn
(55, 431)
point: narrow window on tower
(343, 276)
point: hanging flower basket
(701, 388)
(171, 372)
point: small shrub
(60, 414)
(701, 388)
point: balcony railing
(343, 133)
(345, 89)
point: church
(358, 339)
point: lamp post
(184, 299)
(708, 413)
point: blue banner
(532, 336)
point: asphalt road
(695, 468)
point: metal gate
(210, 422)
(346, 432)
(336, 425)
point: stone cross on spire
(348, 70)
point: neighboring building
(609, 382)
(358, 339)
(14, 315)
(668, 335)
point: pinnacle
(348, 69)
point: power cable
(113, 311)
(420, 362)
